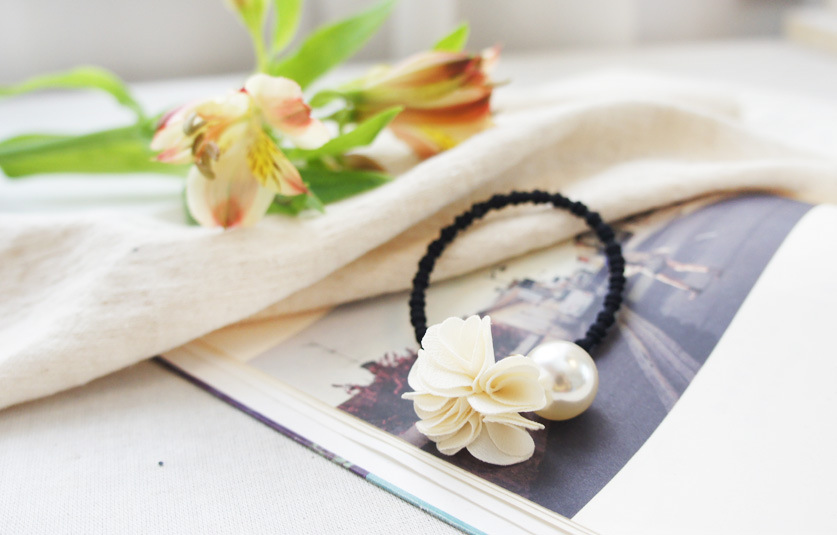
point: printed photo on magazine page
(689, 268)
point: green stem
(262, 58)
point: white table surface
(142, 450)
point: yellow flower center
(440, 139)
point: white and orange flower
(238, 168)
(467, 400)
(446, 97)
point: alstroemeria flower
(446, 97)
(467, 400)
(238, 167)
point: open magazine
(664, 444)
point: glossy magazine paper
(689, 268)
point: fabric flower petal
(415, 382)
(510, 385)
(502, 444)
(513, 418)
(511, 439)
(438, 380)
(426, 402)
(447, 421)
(462, 346)
(466, 400)
(466, 435)
(454, 353)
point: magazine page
(749, 448)
(689, 269)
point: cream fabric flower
(467, 400)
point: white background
(177, 38)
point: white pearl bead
(569, 377)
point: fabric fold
(86, 295)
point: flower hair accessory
(466, 399)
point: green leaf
(364, 134)
(455, 40)
(79, 78)
(330, 45)
(288, 205)
(288, 13)
(314, 203)
(121, 150)
(331, 186)
(295, 204)
(326, 96)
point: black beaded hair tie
(465, 399)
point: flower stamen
(192, 123)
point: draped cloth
(84, 295)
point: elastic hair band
(463, 396)
(613, 252)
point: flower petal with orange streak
(439, 94)
(429, 132)
(238, 168)
(283, 107)
(490, 57)
(169, 128)
(445, 95)
(271, 168)
(239, 201)
(461, 114)
(170, 139)
(426, 87)
(184, 132)
(426, 68)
